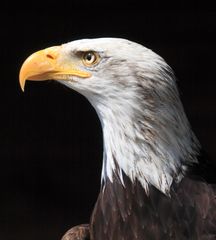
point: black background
(50, 136)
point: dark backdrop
(50, 136)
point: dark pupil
(89, 56)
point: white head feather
(146, 133)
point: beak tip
(22, 83)
(23, 88)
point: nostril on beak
(50, 56)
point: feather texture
(129, 213)
(146, 132)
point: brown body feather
(127, 213)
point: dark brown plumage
(129, 213)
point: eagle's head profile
(146, 133)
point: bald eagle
(154, 184)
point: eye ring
(90, 58)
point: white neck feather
(142, 154)
(152, 147)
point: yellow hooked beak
(49, 64)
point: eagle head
(133, 90)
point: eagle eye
(90, 58)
